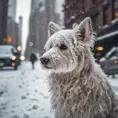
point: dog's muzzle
(44, 61)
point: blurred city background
(23, 24)
(23, 34)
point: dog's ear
(84, 30)
(52, 28)
(75, 25)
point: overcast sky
(23, 9)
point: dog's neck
(76, 85)
(66, 86)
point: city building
(12, 32)
(3, 20)
(36, 4)
(12, 9)
(14, 29)
(104, 15)
(28, 48)
(40, 16)
(20, 25)
(50, 9)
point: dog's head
(66, 48)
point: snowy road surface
(24, 93)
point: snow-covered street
(24, 93)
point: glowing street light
(14, 58)
(115, 62)
(19, 48)
(100, 48)
(31, 44)
(22, 58)
(9, 39)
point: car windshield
(5, 50)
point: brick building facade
(104, 15)
(76, 10)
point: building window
(105, 16)
(94, 19)
(116, 9)
(68, 14)
(93, 1)
(83, 4)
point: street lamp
(9, 39)
(100, 48)
(31, 44)
(19, 48)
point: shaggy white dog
(78, 86)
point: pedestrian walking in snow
(33, 59)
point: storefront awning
(107, 35)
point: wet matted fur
(79, 87)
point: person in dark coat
(33, 59)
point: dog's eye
(51, 46)
(63, 47)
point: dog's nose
(44, 60)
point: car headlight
(22, 58)
(14, 58)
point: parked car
(109, 63)
(9, 56)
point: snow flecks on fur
(73, 94)
(78, 86)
